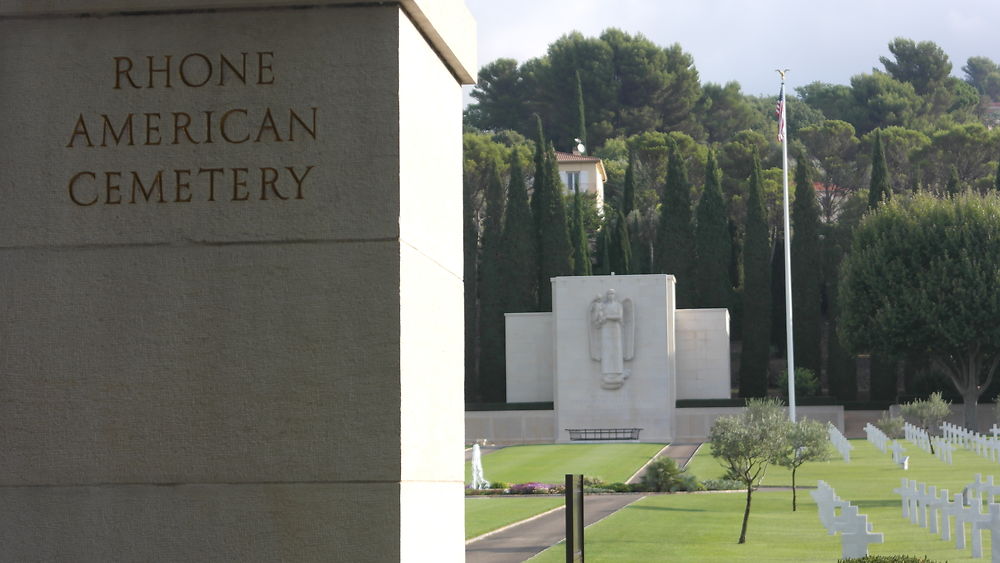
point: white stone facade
(677, 355)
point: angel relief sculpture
(612, 337)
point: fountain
(478, 481)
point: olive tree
(928, 413)
(921, 280)
(807, 440)
(747, 443)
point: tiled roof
(567, 157)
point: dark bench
(603, 433)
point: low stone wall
(693, 424)
(511, 427)
(690, 424)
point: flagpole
(790, 343)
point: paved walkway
(523, 540)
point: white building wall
(703, 354)
(529, 357)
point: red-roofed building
(582, 173)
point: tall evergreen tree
(581, 115)
(628, 193)
(517, 275)
(470, 248)
(880, 189)
(712, 244)
(581, 246)
(674, 250)
(604, 250)
(756, 291)
(953, 184)
(555, 251)
(807, 265)
(492, 371)
(996, 179)
(620, 247)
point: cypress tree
(555, 251)
(807, 265)
(628, 194)
(620, 248)
(712, 244)
(996, 179)
(880, 189)
(952, 186)
(604, 249)
(674, 251)
(492, 372)
(581, 116)
(581, 247)
(756, 291)
(518, 257)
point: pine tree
(555, 251)
(756, 291)
(492, 371)
(628, 194)
(674, 251)
(620, 248)
(581, 246)
(807, 264)
(880, 189)
(712, 244)
(581, 116)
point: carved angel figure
(612, 337)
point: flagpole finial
(782, 73)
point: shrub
(806, 383)
(722, 485)
(891, 425)
(535, 488)
(663, 475)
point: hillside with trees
(694, 183)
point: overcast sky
(745, 40)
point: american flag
(779, 110)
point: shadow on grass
(868, 503)
(664, 508)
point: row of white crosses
(877, 437)
(923, 505)
(839, 442)
(838, 515)
(983, 445)
(942, 449)
(918, 436)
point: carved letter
(298, 181)
(72, 187)
(208, 71)
(126, 71)
(239, 183)
(222, 126)
(79, 129)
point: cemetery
(255, 256)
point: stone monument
(225, 225)
(616, 354)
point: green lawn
(551, 462)
(486, 513)
(705, 527)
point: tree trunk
(970, 398)
(746, 515)
(794, 505)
